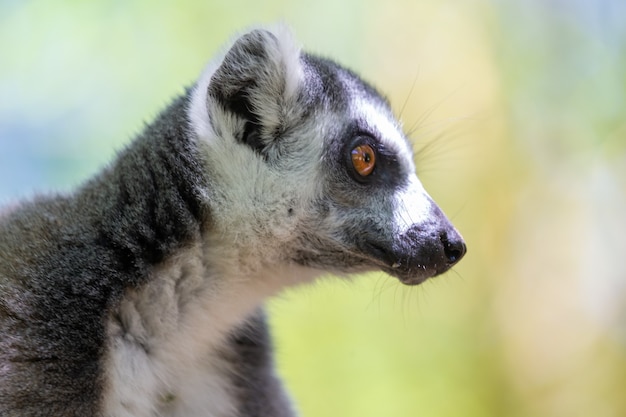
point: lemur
(141, 292)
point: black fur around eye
(369, 162)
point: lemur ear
(258, 81)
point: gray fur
(140, 293)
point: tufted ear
(257, 82)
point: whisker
(380, 287)
(454, 215)
(438, 147)
(404, 211)
(406, 101)
(404, 308)
(429, 111)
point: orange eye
(363, 159)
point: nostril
(454, 249)
(454, 252)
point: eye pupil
(363, 159)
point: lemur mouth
(393, 265)
(415, 257)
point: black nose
(453, 246)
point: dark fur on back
(65, 261)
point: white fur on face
(256, 206)
(256, 209)
(198, 111)
(412, 205)
(387, 127)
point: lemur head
(309, 167)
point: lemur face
(373, 212)
(313, 164)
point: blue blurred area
(36, 154)
(78, 81)
(564, 61)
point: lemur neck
(148, 204)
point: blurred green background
(517, 109)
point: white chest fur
(163, 353)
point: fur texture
(140, 294)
